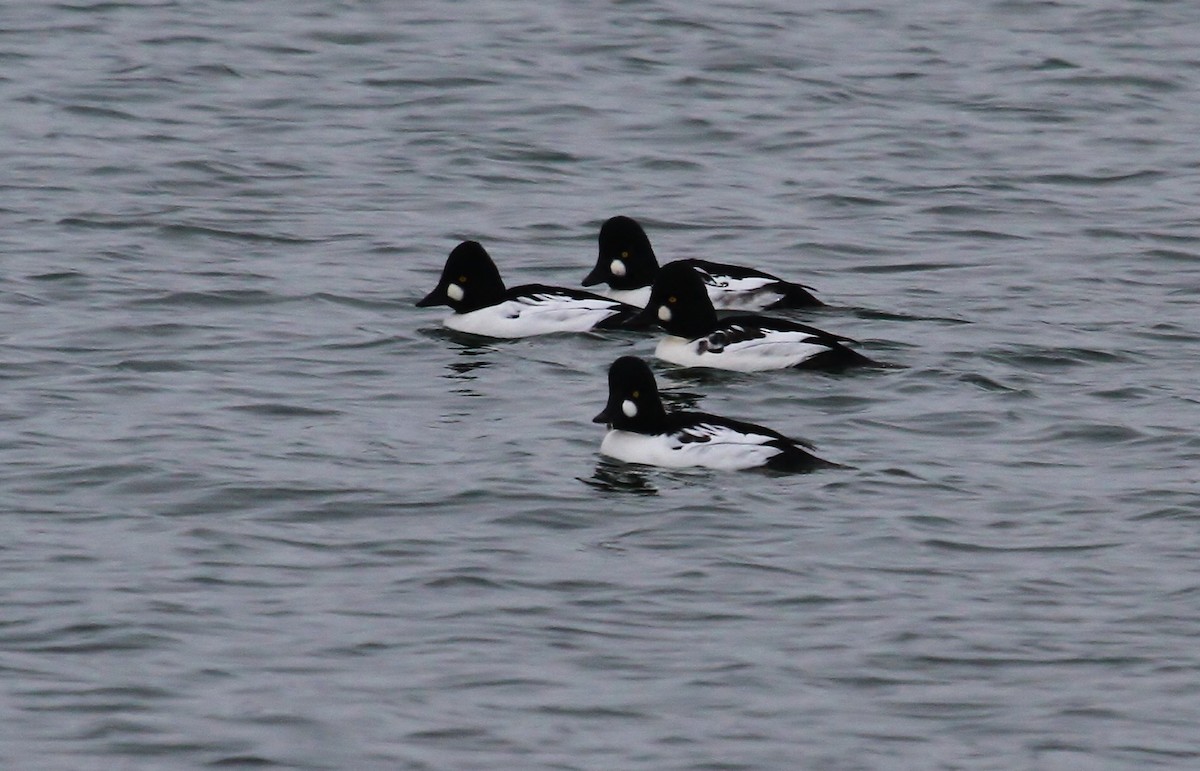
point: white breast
(533, 315)
(776, 350)
(725, 449)
(635, 297)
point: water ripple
(262, 511)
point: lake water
(259, 511)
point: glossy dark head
(633, 401)
(626, 259)
(469, 281)
(679, 303)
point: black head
(626, 259)
(633, 401)
(469, 281)
(679, 303)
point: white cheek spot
(617, 268)
(664, 313)
(629, 408)
(454, 292)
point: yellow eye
(635, 394)
(462, 279)
(671, 299)
(624, 255)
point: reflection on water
(463, 370)
(620, 478)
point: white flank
(777, 350)
(539, 314)
(740, 294)
(725, 449)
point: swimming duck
(471, 285)
(695, 337)
(640, 430)
(626, 263)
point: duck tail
(839, 358)
(796, 296)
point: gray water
(261, 512)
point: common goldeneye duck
(472, 287)
(749, 343)
(627, 264)
(641, 431)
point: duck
(471, 285)
(696, 337)
(640, 430)
(626, 263)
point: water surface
(262, 512)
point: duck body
(471, 285)
(641, 431)
(757, 343)
(697, 439)
(737, 288)
(536, 309)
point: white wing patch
(705, 445)
(777, 349)
(537, 314)
(722, 435)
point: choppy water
(259, 511)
